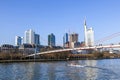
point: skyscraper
(73, 39)
(29, 37)
(51, 40)
(85, 33)
(18, 40)
(89, 35)
(65, 39)
(37, 39)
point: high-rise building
(73, 40)
(85, 33)
(51, 40)
(74, 37)
(18, 40)
(89, 35)
(65, 39)
(37, 39)
(29, 37)
(22, 40)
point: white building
(29, 37)
(89, 35)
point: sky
(58, 17)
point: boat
(76, 65)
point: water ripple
(90, 70)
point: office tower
(85, 33)
(29, 37)
(65, 39)
(22, 40)
(37, 39)
(51, 40)
(18, 40)
(74, 37)
(89, 35)
(73, 40)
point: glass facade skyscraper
(65, 38)
(18, 40)
(37, 39)
(51, 40)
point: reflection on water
(90, 70)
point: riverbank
(50, 60)
(32, 60)
(7, 58)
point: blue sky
(58, 17)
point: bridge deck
(80, 48)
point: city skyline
(46, 17)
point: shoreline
(66, 56)
(48, 60)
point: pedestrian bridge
(80, 48)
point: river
(106, 69)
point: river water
(107, 69)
